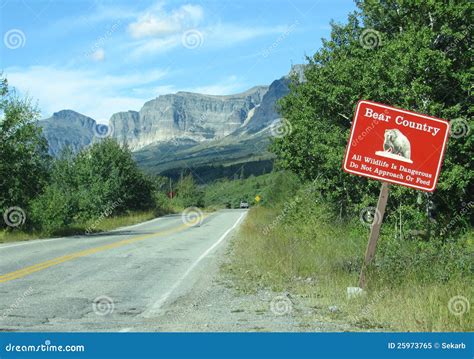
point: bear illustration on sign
(396, 146)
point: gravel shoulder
(215, 304)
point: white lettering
(399, 120)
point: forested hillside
(413, 56)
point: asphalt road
(121, 280)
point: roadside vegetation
(301, 246)
(226, 193)
(100, 188)
(105, 224)
(311, 241)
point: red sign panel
(396, 146)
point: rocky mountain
(68, 128)
(265, 113)
(185, 116)
(184, 129)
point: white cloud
(100, 13)
(157, 31)
(229, 34)
(217, 36)
(98, 55)
(157, 22)
(148, 47)
(86, 92)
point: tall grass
(311, 254)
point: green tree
(419, 59)
(24, 161)
(100, 180)
(57, 206)
(284, 186)
(106, 173)
(188, 194)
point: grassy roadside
(105, 224)
(95, 226)
(317, 258)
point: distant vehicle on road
(244, 204)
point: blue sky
(101, 57)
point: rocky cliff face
(68, 128)
(183, 119)
(266, 113)
(185, 116)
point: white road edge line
(159, 303)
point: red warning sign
(396, 146)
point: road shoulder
(216, 304)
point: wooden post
(374, 232)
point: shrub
(102, 180)
(54, 209)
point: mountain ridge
(202, 129)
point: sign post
(394, 146)
(374, 231)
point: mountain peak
(68, 114)
(262, 89)
(67, 128)
(297, 71)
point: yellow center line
(55, 261)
